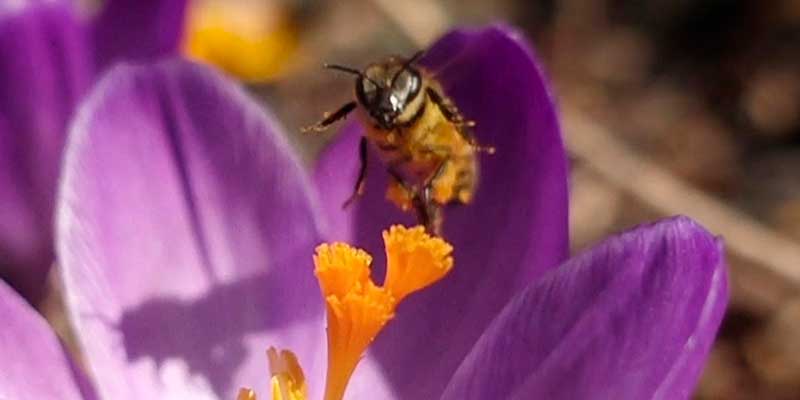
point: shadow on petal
(208, 333)
(185, 231)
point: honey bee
(426, 144)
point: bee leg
(451, 112)
(400, 194)
(362, 173)
(437, 173)
(481, 148)
(442, 182)
(464, 129)
(331, 118)
(437, 220)
(428, 212)
(407, 197)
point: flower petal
(514, 231)
(34, 364)
(43, 72)
(185, 231)
(633, 318)
(137, 30)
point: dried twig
(654, 186)
(422, 21)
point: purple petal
(34, 364)
(633, 318)
(137, 30)
(514, 231)
(185, 231)
(44, 71)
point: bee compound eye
(366, 91)
(406, 85)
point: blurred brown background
(668, 106)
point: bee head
(387, 89)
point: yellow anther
(250, 39)
(415, 260)
(288, 381)
(246, 394)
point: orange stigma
(358, 309)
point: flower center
(357, 309)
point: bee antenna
(413, 58)
(349, 70)
(343, 69)
(407, 64)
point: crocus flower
(49, 56)
(514, 232)
(186, 229)
(253, 40)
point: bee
(426, 144)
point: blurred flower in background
(253, 40)
(50, 54)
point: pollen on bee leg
(400, 196)
(414, 260)
(444, 184)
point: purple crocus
(186, 228)
(512, 235)
(49, 56)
